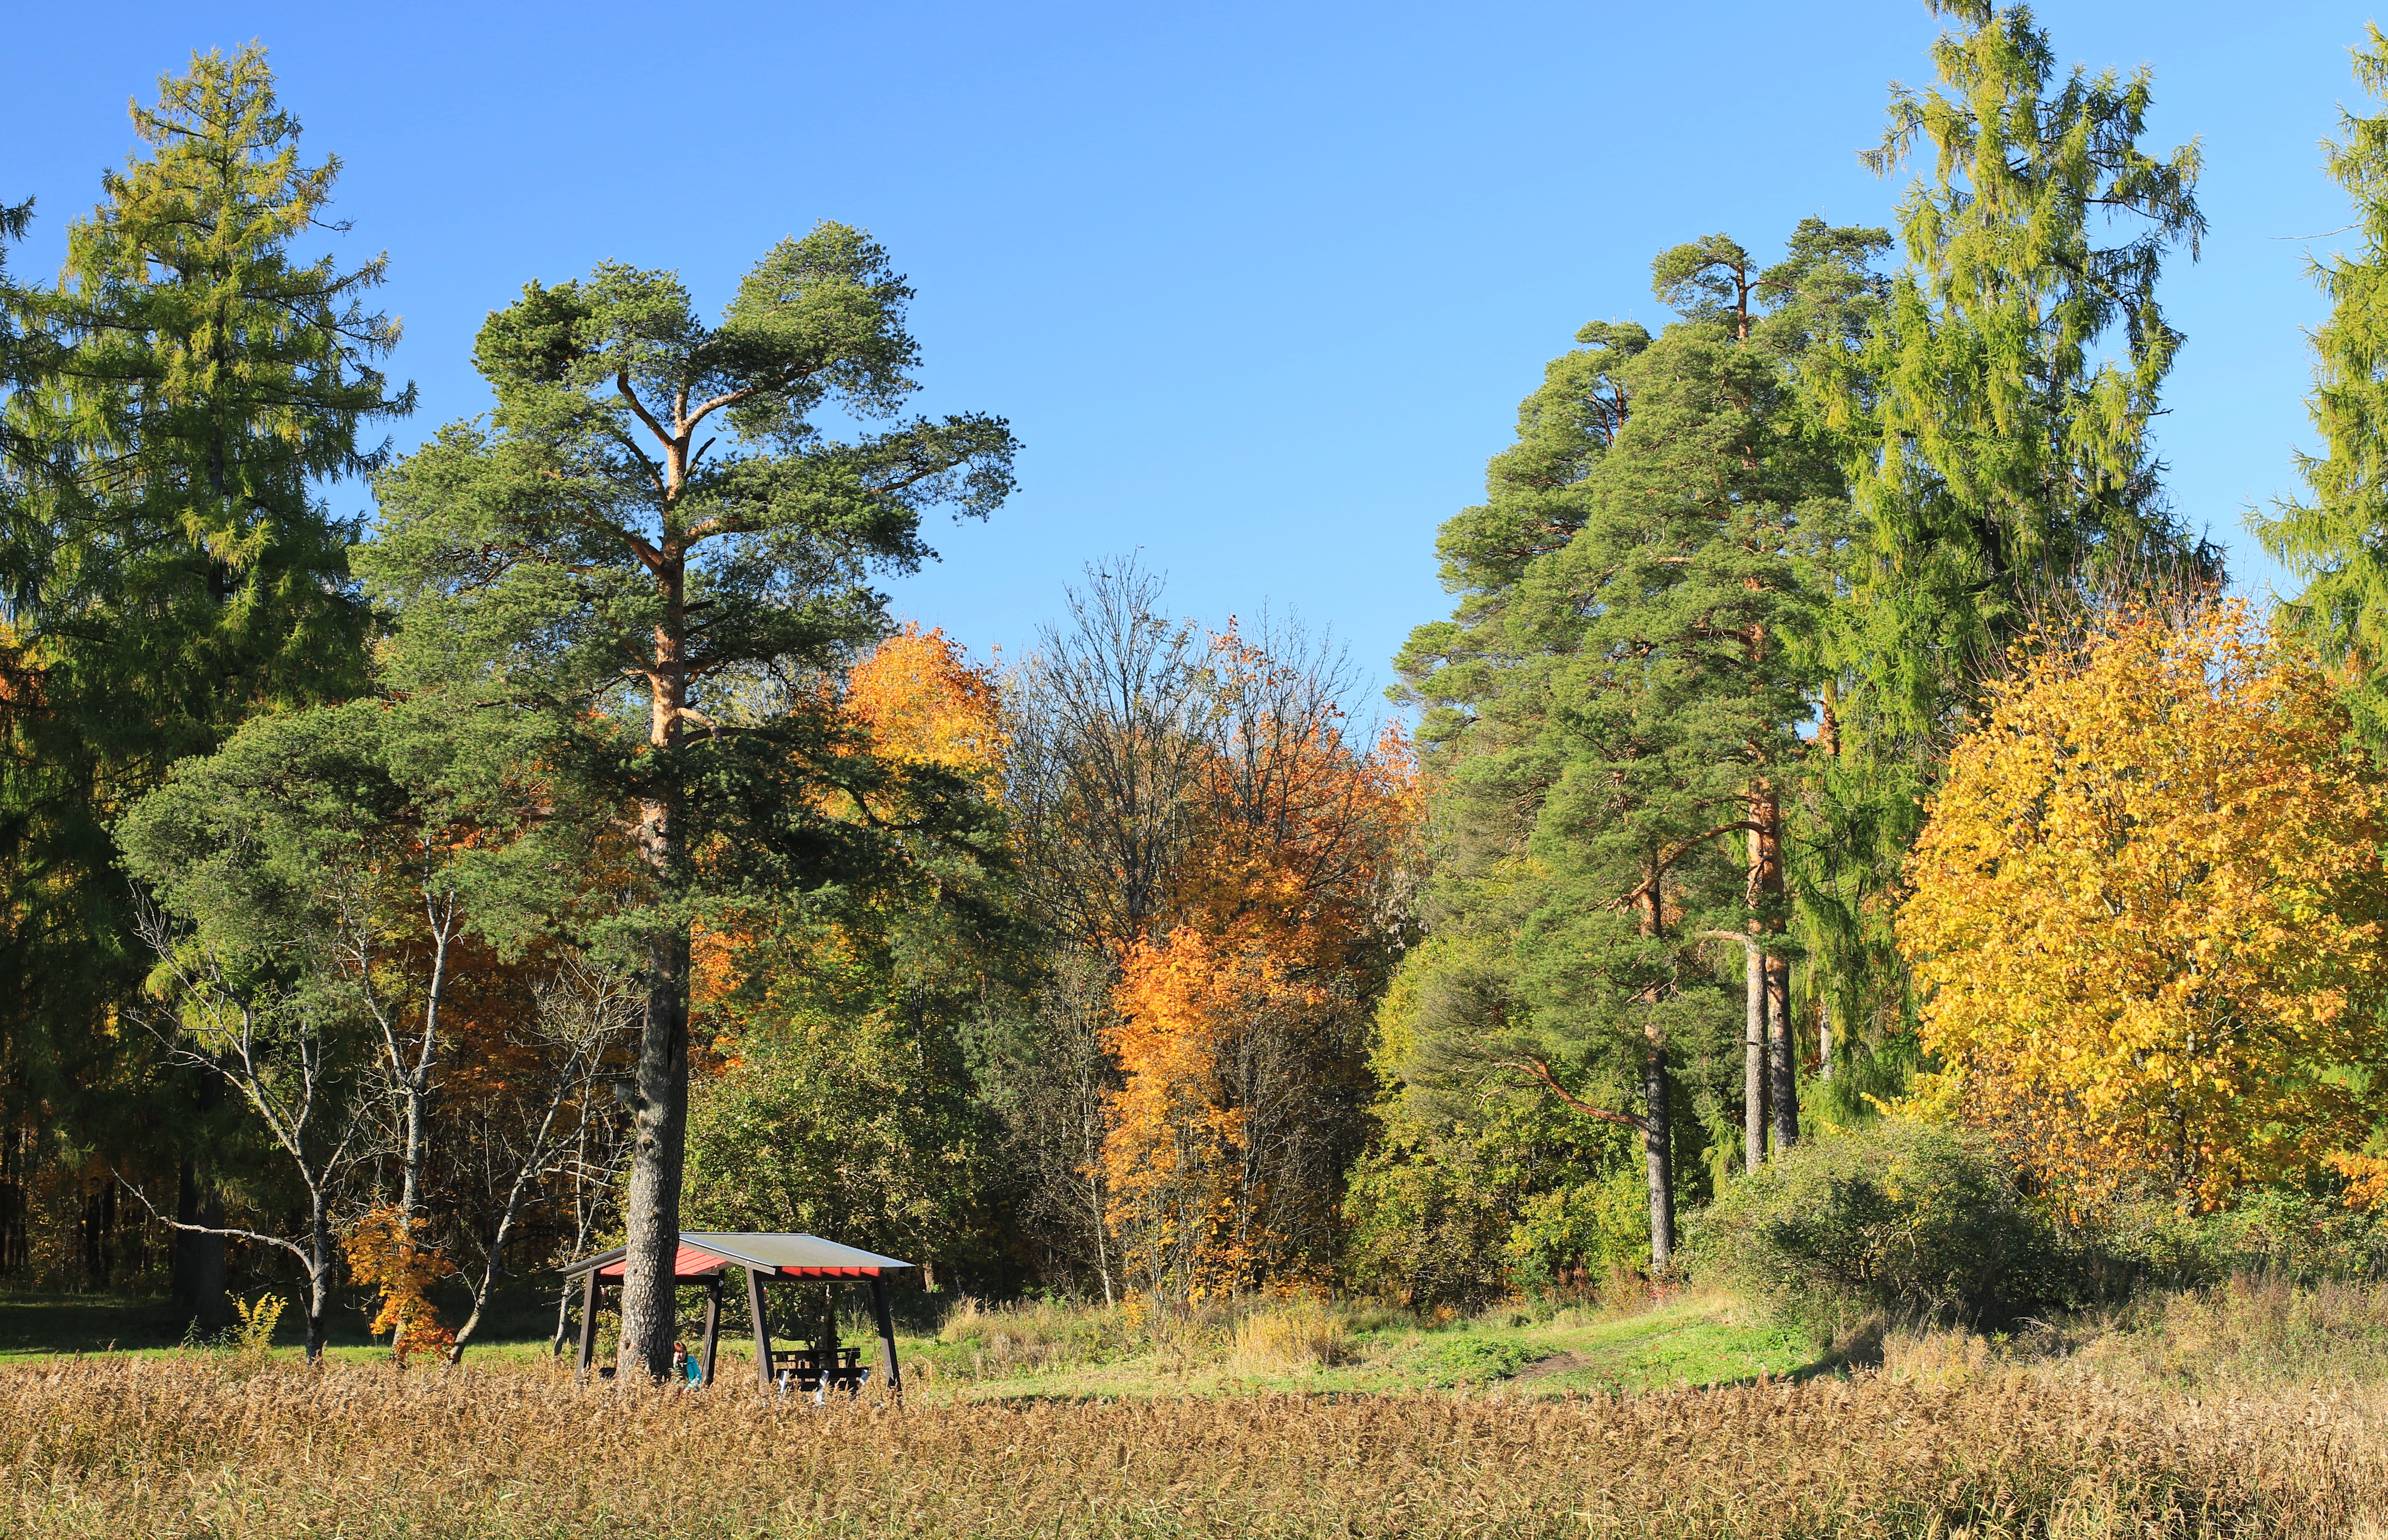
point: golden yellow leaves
(2147, 914)
(926, 703)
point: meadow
(2257, 1408)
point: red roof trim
(694, 1264)
(690, 1263)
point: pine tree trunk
(1658, 1154)
(658, 1163)
(660, 1148)
(1753, 1059)
(1785, 1091)
(1767, 877)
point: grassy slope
(1699, 1342)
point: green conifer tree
(2337, 541)
(1993, 452)
(1994, 417)
(675, 616)
(1619, 689)
(168, 564)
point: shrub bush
(1480, 1360)
(1912, 1220)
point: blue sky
(1259, 286)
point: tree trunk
(1657, 1153)
(657, 1162)
(1767, 903)
(1753, 1057)
(659, 1151)
(199, 1264)
(319, 1279)
(1786, 1089)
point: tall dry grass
(160, 1447)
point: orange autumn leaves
(926, 703)
(1241, 1029)
(1236, 1052)
(2147, 916)
(387, 1253)
(922, 702)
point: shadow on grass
(88, 1323)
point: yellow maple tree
(2146, 915)
(925, 703)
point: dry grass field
(224, 1449)
(2254, 1409)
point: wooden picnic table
(807, 1367)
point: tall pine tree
(1613, 707)
(587, 559)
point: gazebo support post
(588, 1323)
(762, 1336)
(712, 1326)
(887, 1370)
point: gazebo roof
(704, 1253)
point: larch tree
(2338, 540)
(170, 565)
(1992, 414)
(650, 522)
(1995, 450)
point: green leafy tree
(2337, 541)
(170, 565)
(650, 531)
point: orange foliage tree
(1241, 1042)
(2147, 915)
(925, 703)
(386, 1254)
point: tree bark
(1658, 1154)
(1786, 1089)
(658, 1163)
(198, 1259)
(318, 1277)
(1753, 1068)
(1658, 1129)
(1767, 891)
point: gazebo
(706, 1256)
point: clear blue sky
(1259, 286)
